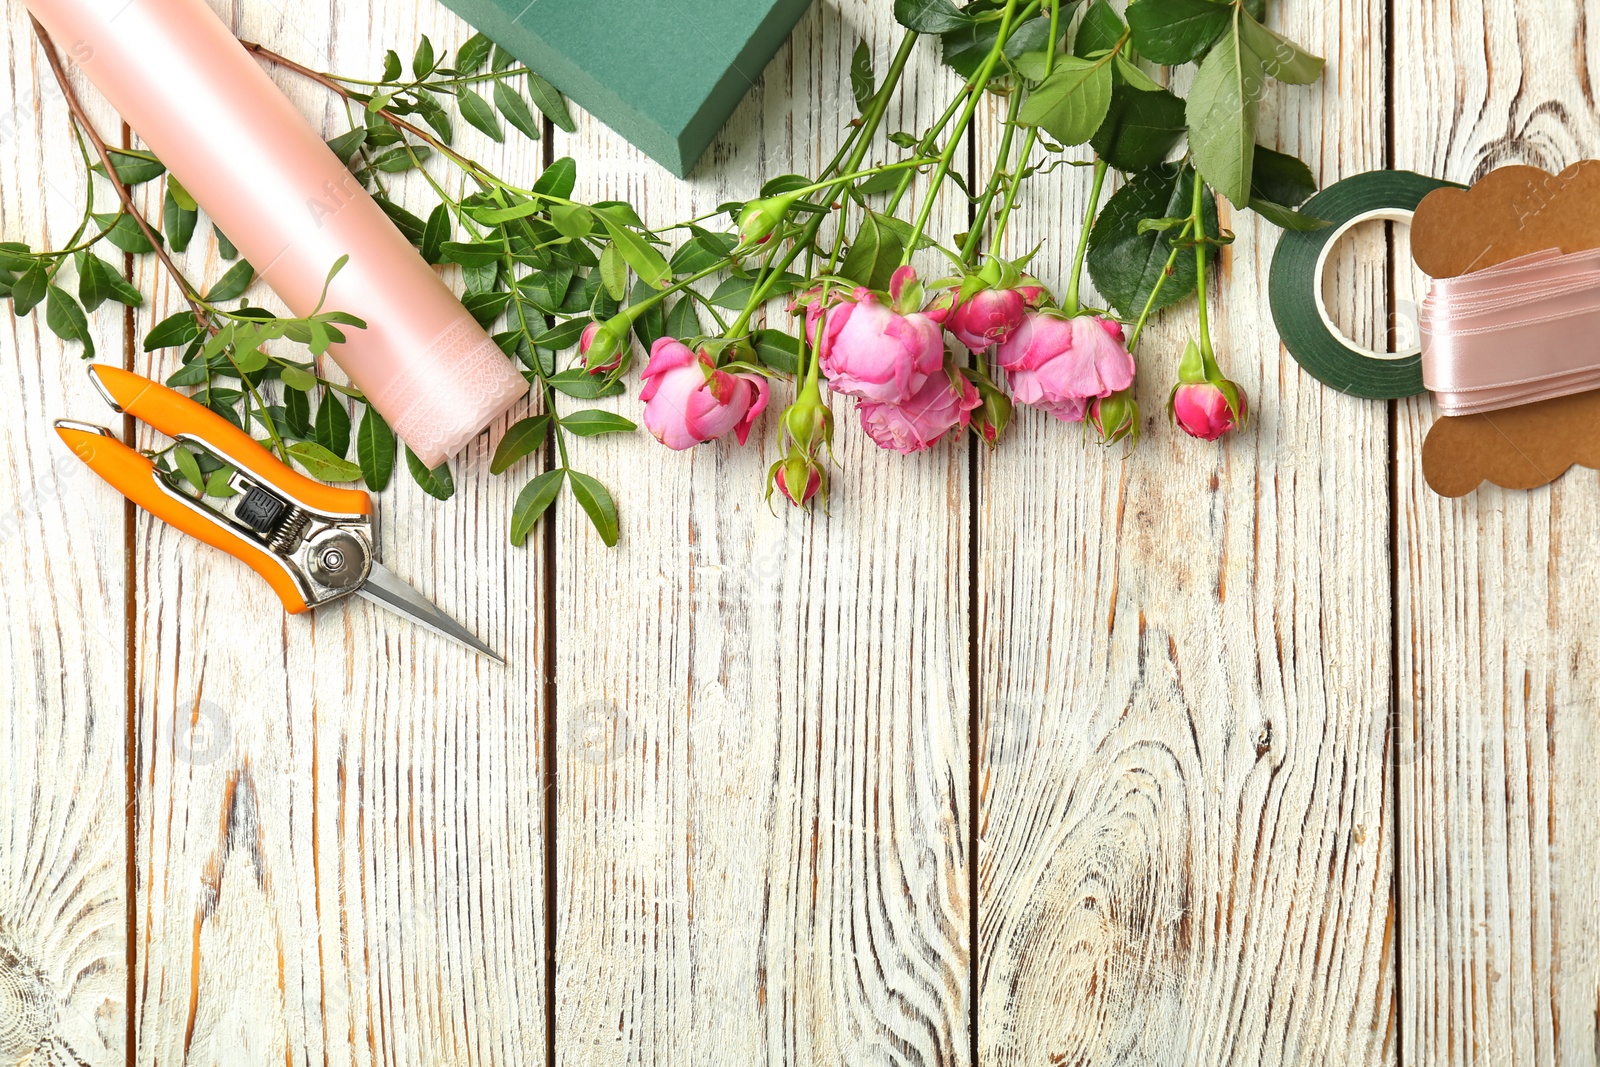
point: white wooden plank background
(1050, 754)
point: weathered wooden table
(1258, 753)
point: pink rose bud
(1115, 417)
(688, 400)
(927, 415)
(872, 352)
(1058, 365)
(604, 344)
(987, 318)
(760, 217)
(799, 473)
(1201, 410)
(994, 414)
(586, 342)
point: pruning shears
(311, 542)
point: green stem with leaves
(942, 170)
(1197, 217)
(980, 215)
(863, 141)
(1070, 305)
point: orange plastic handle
(134, 476)
(173, 414)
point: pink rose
(1058, 365)
(933, 410)
(870, 351)
(1201, 410)
(987, 318)
(688, 400)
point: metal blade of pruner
(384, 588)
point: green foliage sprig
(538, 266)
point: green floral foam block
(665, 74)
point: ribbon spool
(1296, 285)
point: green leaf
(401, 158)
(344, 146)
(1099, 31)
(571, 220)
(435, 233)
(94, 282)
(551, 103)
(176, 329)
(177, 219)
(930, 16)
(597, 502)
(391, 65)
(1280, 178)
(522, 439)
(67, 320)
(437, 483)
(562, 335)
(1141, 128)
(322, 464)
(422, 61)
(862, 81)
(189, 467)
(534, 500)
(515, 109)
(702, 253)
(249, 360)
(645, 259)
(225, 247)
(592, 422)
(1287, 217)
(683, 320)
(332, 430)
(217, 483)
(28, 290)
(874, 255)
(1280, 57)
(1222, 117)
(965, 49)
(375, 449)
(559, 179)
(1130, 74)
(295, 377)
(1072, 103)
(1126, 259)
(122, 291)
(133, 168)
(581, 385)
(472, 53)
(296, 411)
(1177, 31)
(122, 231)
(614, 271)
(434, 114)
(486, 306)
(476, 110)
(778, 350)
(233, 283)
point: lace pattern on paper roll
(466, 365)
(1513, 334)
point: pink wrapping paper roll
(204, 106)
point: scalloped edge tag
(1511, 212)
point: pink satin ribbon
(1521, 331)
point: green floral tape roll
(1296, 288)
